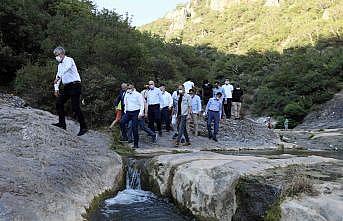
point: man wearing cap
(68, 75)
(214, 112)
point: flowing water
(135, 204)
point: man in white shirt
(68, 75)
(188, 85)
(166, 107)
(154, 101)
(133, 110)
(228, 88)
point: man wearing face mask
(214, 112)
(217, 89)
(154, 101)
(68, 75)
(183, 110)
(133, 110)
(166, 107)
(228, 88)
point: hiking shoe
(154, 138)
(82, 131)
(123, 140)
(60, 125)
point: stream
(135, 204)
(285, 153)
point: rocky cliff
(47, 173)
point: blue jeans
(182, 129)
(213, 116)
(130, 116)
(141, 125)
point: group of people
(179, 111)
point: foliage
(286, 59)
(281, 56)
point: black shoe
(60, 126)
(130, 141)
(123, 140)
(187, 144)
(82, 131)
(215, 139)
(135, 147)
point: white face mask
(58, 58)
(180, 91)
(130, 91)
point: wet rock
(47, 173)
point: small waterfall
(135, 204)
(133, 176)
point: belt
(72, 83)
(214, 111)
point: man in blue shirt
(214, 111)
(217, 88)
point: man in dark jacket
(237, 97)
(206, 91)
(120, 97)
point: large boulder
(327, 206)
(47, 173)
(205, 183)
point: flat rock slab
(205, 182)
(47, 173)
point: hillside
(287, 55)
(235, 26)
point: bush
(294, 111)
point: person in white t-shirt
(228, 88)
(188, 85)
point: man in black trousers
(154, 100)
(68, 75)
